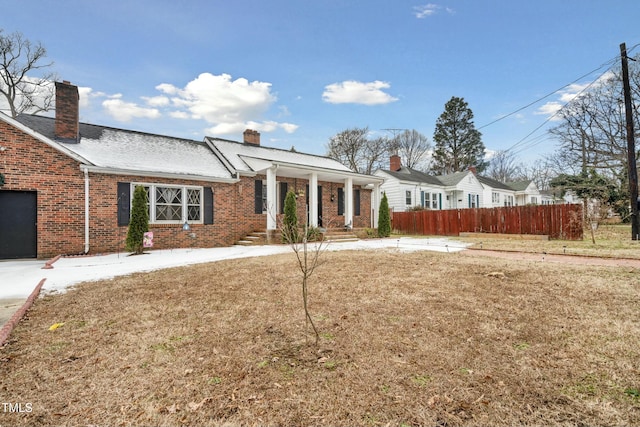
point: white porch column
(271, 199)
(313, 200)
(375, 205)
(348, 202)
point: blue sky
(301, 71)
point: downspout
(86, 210)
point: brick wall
(30, 165)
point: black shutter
(340, 201)
(284, 187)
(124, 202)
(356, 202)
(208, 205)
(258, 196)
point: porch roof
(250, 159)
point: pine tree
(290, 221)
(384, 221)
(458, 144)
(139, 223)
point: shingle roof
(493, 183)
(452, 178)
(408, 174)
(519, 185)
(136, 151)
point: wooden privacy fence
(556, 221)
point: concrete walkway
(19, 278)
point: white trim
(135, 172)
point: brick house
(68, 186)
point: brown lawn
(406, 339)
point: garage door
(18, 224)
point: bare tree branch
(24, 93)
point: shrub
(139, 223)
(290, 232)
(384, 221)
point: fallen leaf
(56, 326)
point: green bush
(384, 221)
(139, 223)
(290, 232)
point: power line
(551, 93)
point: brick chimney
(473, 170)
(67, 125)
(251, 137)
(394, 163)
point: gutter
(86, 210)
(117, 171)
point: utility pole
(631, 146)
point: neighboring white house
(407, 188)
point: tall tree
(139, 223)
(384, 220)
(354, 149)
(413, 148)
(458, 144)
(22, 92)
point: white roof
(126, 150)
(235, 152)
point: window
(173, 204)
(508, 200)
(495, 198)
(434, 200)
(534, 200)
(473, 200)
(407, 196)
(427, 200)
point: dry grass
(407, 339)
(611, 241)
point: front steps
(259, 237)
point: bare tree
(23, 93)
(354, 149)
(503, 167)
(413, 148)
(307, 244)
(591, 132)
(541, 172)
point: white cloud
(238, 127)
(430, 9)
(353, 92)
(125, 111)
(231, 106)
(178, 115)
(569, 93)
(156, 101)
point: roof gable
(236, 152)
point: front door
(18, 224)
